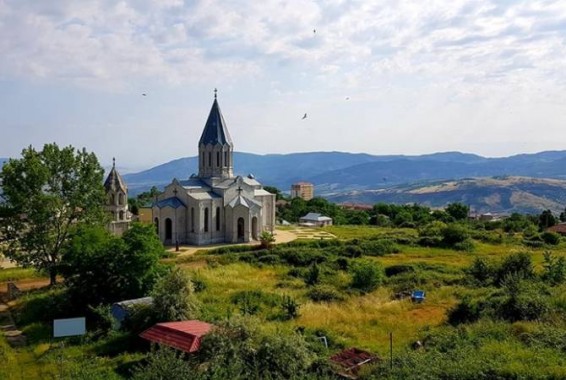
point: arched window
(218, 159)
(226, 163)
(121, 215)
(156, 221)
(168, 229)
(192, 219)
(206, 219)
(121, 199)
(112, 199)
(210, 159)
(217, 218)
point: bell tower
(215, 146)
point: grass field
(360, 320)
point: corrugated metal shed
(121, 310)
(184, 335)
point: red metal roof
(559, 228)
(183, 335)
(351, 359)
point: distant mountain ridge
(503, 195)
(339, 171)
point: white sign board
(69, 327)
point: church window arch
(112, 199)
(210, 159)
(218, 159)
(121, 199)
(156, 221)
(121, 215)
(226, 162)
(217, 218)
(168, 229)
(206, 219)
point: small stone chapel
(214, 206)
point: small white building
(315, 219)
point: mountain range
(365, 178)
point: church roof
(114, 181)
(173, 202)
(215, 131)
(246, 202)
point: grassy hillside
(497, 194)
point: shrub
(302, 256)
(312, 277)
(290, 308)
(518, 264)
(466, 245)
(269, 259)
(324, 293)
(454, 233)
(554, 269)
(394, 270)
(550, 238)
(367, 276)
(465, 311)
(480, 272)
(379, 247)
(173, 297)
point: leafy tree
(173, 297)
(273, 190)
(101, 268)
(47, 194)
(562, 216)
(481, 272)
(546, 219)
(519, 265)
(367, 275)
(455, 233)
(554, 269)
(458, 211)
(551, 238)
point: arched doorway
(254, 228)
(168, 230)
(241, 229)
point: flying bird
(347, 98)
(304, 117)
(314, 31)
(144, 94)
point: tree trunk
(52, 276)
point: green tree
(546, 219)
(274, 190)
(174, 298)
(554, 269)
(458, 211)
(367, 275)
(47, 194)
(101, 268)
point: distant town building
(315, 219)
(356, 206)
(303, 190)
(214, 206)
(117, 202)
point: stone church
(214, 206)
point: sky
(380, 77)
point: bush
(454, 234)
(302, 256)
(394, 270)
(367, 276)
(378, 247)
(312, 276)
(480, 272)
(550, 238)
(324, 293)
(465, 311)
(465, 246)
(518, 264)
(290, 308)
(554, 269)
(173, 297)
